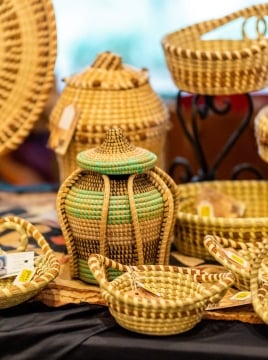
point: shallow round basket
(28, 52)
(46, 268)
(174, 299)
(191, 228)
(235, 256)
(219, 67)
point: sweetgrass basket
(221, 66)
(180, 297)
(28, 54)
(108, 94)
(261, 132)
(47, 267)
(238, 261)
(259, 284)
(191, 228)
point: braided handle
(216, 247)
(259, 11)
(26, 230)
(98, 264)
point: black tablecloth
(34, 331)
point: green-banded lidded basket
(119, 204)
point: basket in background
(191, 228)
(221, 66)
(111, 94)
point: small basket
(191, 228)
(219, 67)
(259, 284)
(46, 269)
(237, 261)
(177, 298)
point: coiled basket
(46, 269)
(191, 228)
(180, 301)
(219, 66)
(119, 204)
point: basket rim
(235, 222)
(198, 29)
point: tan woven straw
(175, 302)
(119, 205)
(240, 263)
(222, 66)
(27, 57)
(111, 94)
(259, 284)
(191, 227)
(116, 156)
(46, 269)
(261, 132)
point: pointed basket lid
(116, 156)
(109, 73)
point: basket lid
(116, 156)
(108, 72)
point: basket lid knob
(108, 72)
(116, 156)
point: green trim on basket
(119, 208)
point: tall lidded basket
(117, 204)
(108, 94)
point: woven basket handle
(259, 11)
(220, 283)
(27, 230)
(98, 264)
(259, 290)
(216, 247)
(9, 223)
(168, 215)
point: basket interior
(169, 285)
(254, 194)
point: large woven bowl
(180, 301)
(46, 269)
(191, 228)
(235, 256)
(28, 52)
(219, 67)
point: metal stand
(202, 106)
